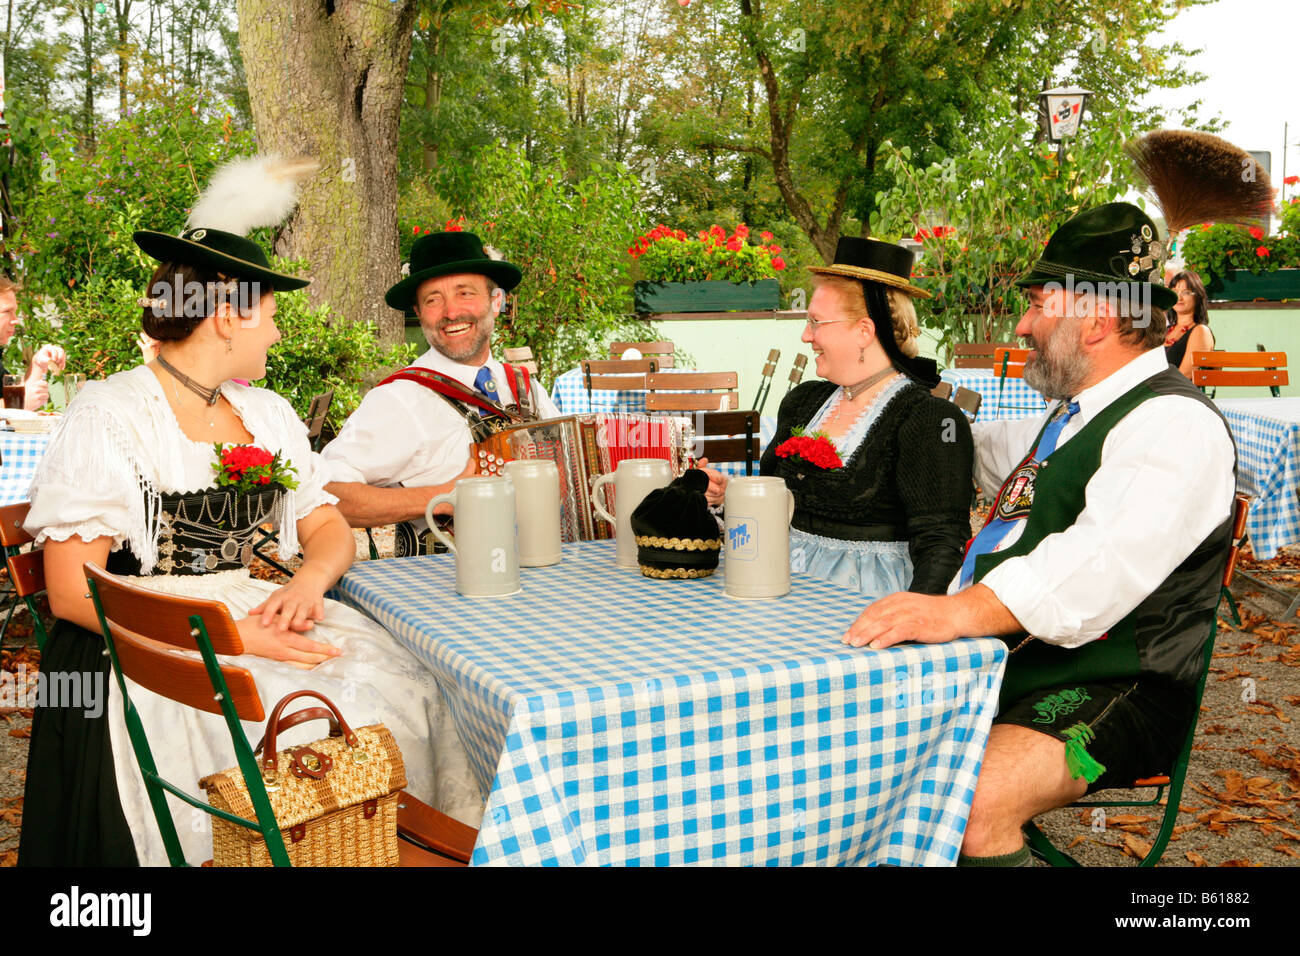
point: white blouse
(120, 446)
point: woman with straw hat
(879, 468)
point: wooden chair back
(796, 373)
(942, 390)
(12, 533)
(316, 414)
(1212, 369)
(700, 398)
(733, 447)
(146, 627)
(522, 356)
(617, 374)
(765, 384)
(27, 572)
(663, 351)
(977, 354)
(1009, 362)
(968, 400)
(1240, 512)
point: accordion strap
(456, 393)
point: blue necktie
(997, 528)
(484, 383)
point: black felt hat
(874, 261)
(676, 536)
(444, 254)
(881, 265)
(1116, 243)
(224, 252)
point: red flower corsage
(816, 449)
(247, 468)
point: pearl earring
(862, 355)
(229, 347)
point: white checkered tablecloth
(1267, 433)
(1009, 400)
(20, 453)
(615, 719)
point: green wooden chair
(26, 568)
(1172, 782)
(138, 624)
(141, 629)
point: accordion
(584, 447)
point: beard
(467, 346)
(1058, 369)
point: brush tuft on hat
(249, 193)
(1196, 177)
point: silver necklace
(853, 391)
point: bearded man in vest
(1102, 560)
(409, 438)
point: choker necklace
(853, 391)
(209, 395)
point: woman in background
(1190, 330)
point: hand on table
(904, 616)
(47, 357)
(717, 489)
(279, 645)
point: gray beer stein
(487, 558)
(757, 545)
(633, 479)
(537, 507)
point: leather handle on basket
(301, 717)
(274, 725)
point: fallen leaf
(1288, 850)
(1195, 859)
(21, 732)
(1239, 863)
(1081, 838)
(1136, 848)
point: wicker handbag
(335, 800)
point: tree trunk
(326, 79)
(433, 88)
(122, 16)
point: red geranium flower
(735, 244)
(1261, 251)
(1256, 232)
(1292, 180)
(817, 450)
(766, 236)
(743, 231)
(778, 263)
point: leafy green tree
(569, 239)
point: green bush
(669, 255)
(567, 236)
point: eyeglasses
(815, 324)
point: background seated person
(47, 357)
(896, 515)
(406, 443)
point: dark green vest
(1165, 634)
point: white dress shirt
(405, 434)
(1164, 483)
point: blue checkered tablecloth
(615, 719)
(999, 400)
(1267, 433)
(20, 453)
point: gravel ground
(1240, 807)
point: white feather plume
(248, 193)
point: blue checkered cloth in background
(615, 719)
(20, 453)
(1267, 433)
(1000, 400)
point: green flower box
(1239, 285)
(707, 296)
